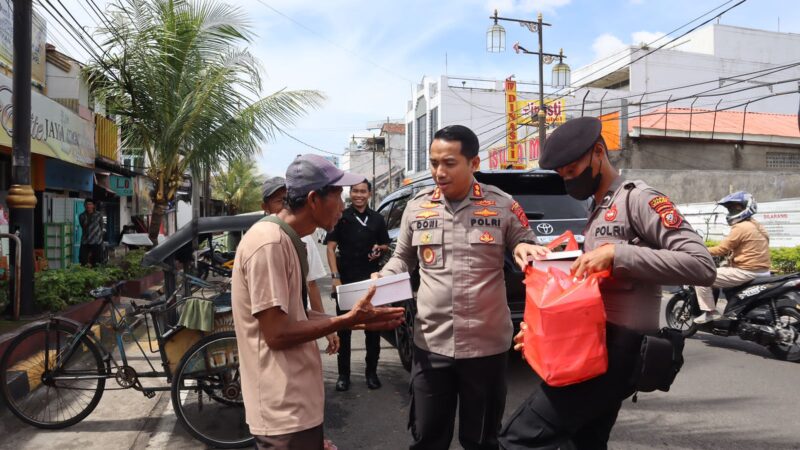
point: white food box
(390, 289)
(559, 260)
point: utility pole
(21, 198)
(374, 150)
(542, 108)
(388, 151)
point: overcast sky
(365, 54)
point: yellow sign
(56, 131)
(511, 119)
(528, 112)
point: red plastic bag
(567, 237)
(565, 339)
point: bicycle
(53, 375)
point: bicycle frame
(116, 324)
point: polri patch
(671, 218)
(520, 213)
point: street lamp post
(495, 42)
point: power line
(662, 45)
(334, 44)
(309, 145)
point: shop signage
(56, 131)
(122, 186)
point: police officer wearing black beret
(636, 233)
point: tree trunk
(159, 207)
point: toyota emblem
(544, 228)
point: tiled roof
(729, 122)
(394, 128)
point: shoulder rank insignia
(520, 213)
(486, 237)
(427, 215)
(485, 203)
(611, 213)
(437, 194)
(477, 192)
(428, 255)
(486, 212)
(430, 205)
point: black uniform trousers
(439, 383)
(372, 338)
(580, 415)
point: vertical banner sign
(511, 116)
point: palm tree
(187, 92)
(239, 187)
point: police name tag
(390, 289)
(558, 260)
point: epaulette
(426, 191)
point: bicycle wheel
(48, 398)
(207, 394)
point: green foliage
(785, 260)
(56, 289)
(186, 90)
(239, 186)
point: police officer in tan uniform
(637, 233)
(458, 233)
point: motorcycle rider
(747, 243)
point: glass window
(434, 122)
(384, 211)
(410, 147)
(396, 215)
(422, 145)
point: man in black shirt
(361, 236)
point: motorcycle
(766, 311)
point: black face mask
(584, 185)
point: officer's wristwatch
(335, 275)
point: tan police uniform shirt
(282, 389)
(462, 311)
(654, 246)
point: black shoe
(343, 384)
(372, 381)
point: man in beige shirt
(748, 245)
(458, 233)
(280, 366)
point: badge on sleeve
(428, 255)
(520, 213)
(663, 206)
(611, 214)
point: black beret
(567, 143)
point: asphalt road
(731, 394)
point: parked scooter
(766, 311)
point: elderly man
(280, 365)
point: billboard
(39, 40)
(529, 112)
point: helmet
(744, 206)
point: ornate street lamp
(561, 75)
(495, 42)
(496, 37)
